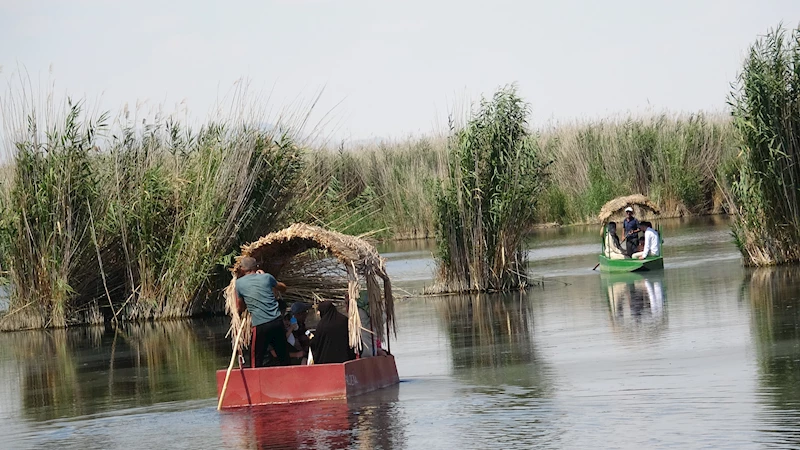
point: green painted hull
(630, 265)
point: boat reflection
(773, 297)
(366, 421)
(635, 299)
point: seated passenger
(331, 342)
(293, 347)
(613, 249)
(652, 242)
(298, 323)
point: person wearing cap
(631, 226)
(257, 292)
(299, 312)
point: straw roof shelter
(276, 252)
(618, 204)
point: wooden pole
(230, 366)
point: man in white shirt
(652, 242)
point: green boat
(612, 208)
(630, 265)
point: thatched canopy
(618, 204)
(277, 251)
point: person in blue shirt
(631, 226)
(257, 292)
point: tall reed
(136, 224)
(385, 187)
(46, 216)
(180, 201)
(763, 194)
(488, 200)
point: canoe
(630, 265)
(288, 384)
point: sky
(386, 69)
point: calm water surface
(705, 354)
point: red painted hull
(268, 385)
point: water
(705, 354)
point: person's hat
(628, 209)
(299, 307)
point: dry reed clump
(277, 254)
(762, 193)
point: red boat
(287, 384)
(267, 385)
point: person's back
(255, 291)
(331, 342)
(653, 244)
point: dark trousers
(270, 333)
(630, 246)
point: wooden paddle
(230, 366)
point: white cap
(628, 209)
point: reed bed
(384, 189)
(673, 159)
(763, 192)
(125, 219)
(135, 223)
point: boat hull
(630, 265)
(287, 384)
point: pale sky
(390, 69)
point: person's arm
(240, 305)
(278, 289)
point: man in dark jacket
(631, 225)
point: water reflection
(85, 370)
(490, 339)
(635, 300)
(368, 421)
(775, 302)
